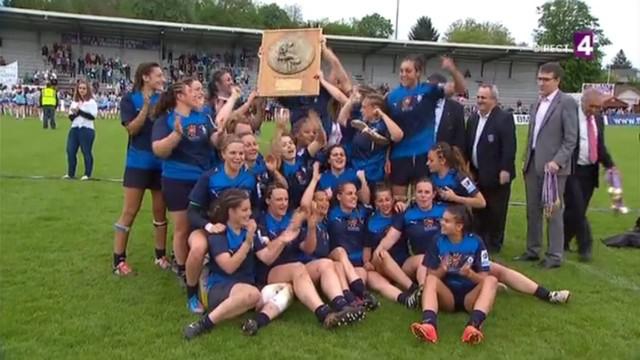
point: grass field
(58, 299)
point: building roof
(148, 29)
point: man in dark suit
(590, 153)
(491, 149)
(449, 118)
(553, 134)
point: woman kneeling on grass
(232, 289)
(458, 278)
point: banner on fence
(627, 119)
(9, 74)
(521, 119)
(606, 89)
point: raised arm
(458, 79)
(336, 67)
(332, 90)
(394, 130)
(307, 198)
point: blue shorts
(407, 170)
(399, 256)
(176, 193)
(356, 260)
(458, 296)
(220, 292)
(142, 179)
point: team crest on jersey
(301, 176)
(429, 223)
(484, 258)
(353, 224)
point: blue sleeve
(217, 245)
(127, 110)
(481, 262)
(160, 128)
(353, 177)
(200, 194)
(325, 181)
(398, 222)
(335, 233)
(467, 185)
(432, 257)
(434, 92)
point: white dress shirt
(439, 111)
(482, 121)
(583, 154)
(545, 102)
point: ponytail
(169, 98)
(453, 157)
(462, 215)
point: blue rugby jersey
(323, 245)
(139, 152)
(328, 180)
(421, 227)
(348, 230)
(414, 112)
(298, 176)
(367, 156)
(193, 155)
(378, 225)
(461, 184)
(470, 250)
(212, 183)
(229, 242)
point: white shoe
(84, 178)
(559, 297)
(67, 177)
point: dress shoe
(585, 258)
(526, 257)
(548, 264)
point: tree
(295, 13)
(374, 25)
(274, 17)
(621, 61)
(423, 30)
(558, 20)
(472, 32)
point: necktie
(592, 137)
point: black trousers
(577, 195)
(489, 223)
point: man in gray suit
(553, 133)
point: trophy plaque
(289, 63)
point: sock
(477, 318)
(413, 287)
(430, 317)
(207, 323)
(542, 293)
(339, 302)
(192, 291)
(322, 311)
(180, 268)
(118, 258)
(160, 253)
(263, 320)
(349, 296)
(357, 286)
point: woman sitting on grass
(458, 278)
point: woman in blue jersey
(378, 226)
(338, 173)
(82, 113)
(221, 90)
(182, 137)
(369, 145)
(420, 225)
(348, 234)
(458, 278)
(295, 164)
(20, 100)
(278, 249)
(232, 283)
(412, 106)
(265, 172)
(450, 178)
(231, 173)
(142, 168)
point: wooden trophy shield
(289, 63)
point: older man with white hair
(491, 148)
(589, 154)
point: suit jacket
(451, 127)
(604, 157)
(496, 150)
(557, 138)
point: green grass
(59, 300)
